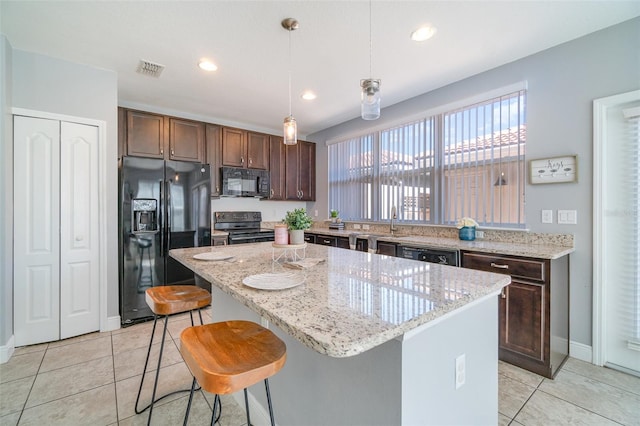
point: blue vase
(467, 233)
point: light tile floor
(93, 380)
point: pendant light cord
(289, 72)
(370, 44)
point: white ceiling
(330, 51)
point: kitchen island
(371, 339)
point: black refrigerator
(163, 205)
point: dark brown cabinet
(386, 248)
(214, 155)
(277, 168)
(241, 148)
(534, 309)
(327, 240)
(300, 179)
(156, 136)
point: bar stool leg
(155, 383)
(146, 362)
(266, 386)
(246, 406)
(193, 388)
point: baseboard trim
(113, 323)
(581, 351)
(7, 350)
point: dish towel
(309, 262)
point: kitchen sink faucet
(394, 216)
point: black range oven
(243, 227)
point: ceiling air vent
(149, 68)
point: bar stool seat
(227, 356)
(165, 301)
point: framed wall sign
(554, 170)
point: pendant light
(290, 127)
(370, 95)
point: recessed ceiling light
(207, 65)
(423, 33)
(308, 96)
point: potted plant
(297, 221)
(334, 215)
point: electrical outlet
(547, 216)
(356, 226)
(264, 322)
(316, 213)
(480, 234)
(365, 227)
(461, 371)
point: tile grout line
(581, 407)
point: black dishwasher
(440, 256)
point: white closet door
(79, 249)
(36, 230)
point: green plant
(334, 213)
(297, 219)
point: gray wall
(562, 82)
(6, 194)
(52, 85)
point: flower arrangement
(298, 219)
(334, 213)
(466, 222)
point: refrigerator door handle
(169, 209)
(161, 217)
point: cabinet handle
(217, 189)
(503, 294)
(327, 241)
(161, 151)
(173, 152)
(271, 192)
(495, 265)
(241, 160)
(250, 161)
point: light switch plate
(567, 217)
(547, 216)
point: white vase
(296, 236)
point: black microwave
(244, 182)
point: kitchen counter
(326, 313)
(371, 339)
(538, 251)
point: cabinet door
(277, 168)
(214, 156)
(122, 132)
(186, 140)
(257, 151)
(310, 238)
(521, 319)
(291, 190)
(342, 242)
(233, 147)
(307, 170)
(145, 134)
(388, 249)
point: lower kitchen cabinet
(386, 248)
(309, 238)
(327, 240)
(533, 311)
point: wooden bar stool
(165, 301)
(225, 357)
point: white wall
(562, 82)
(6, 198)
(52, 85)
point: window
(468, 162)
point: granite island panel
(371, 339)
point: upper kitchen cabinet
(241, 148)
(277, 167)
(214, 155)
(156, 136)
(300, 171)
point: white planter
(296, 236)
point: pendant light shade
(370, 88)
(290, 131)
(290, 128)
(370, 99)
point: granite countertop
(538, 251)
(350, 302)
